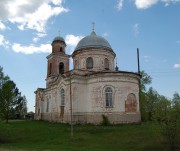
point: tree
(161, 108)
(152, 99)
(176, 98)
(167, 114)
(145, 80)
(21, 107)
(11, 101)
(3, 78)
(8, 94)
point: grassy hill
(39, 135)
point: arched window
(75, 64)
(61, 68)
(106, 64)
(61, 49)
(131, 103)
(62, 97)
(50, 68)
(38, 111)
(89, 63)
(39, 107)
(108, 97)
(47, 106)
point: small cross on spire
(93, 26)
(59, 33)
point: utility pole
(139, 72)
(138, 60)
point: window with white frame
(62, 97)
(108, 97)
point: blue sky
(28, 27)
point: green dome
(93, 41)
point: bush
(105, 120)
(170, 129)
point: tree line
(12, 103)
(160, 109)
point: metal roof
(58, 38)
(93, 40)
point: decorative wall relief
(131, 103)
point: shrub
(105, 120)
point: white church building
(94, 87)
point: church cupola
(58, 60)
(58, 45)
(93, 53)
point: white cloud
(120, 4)
(21, 27)
(105, 34)
(72, 41)
(28, 14)
(136, 29)
(56, 2)
(35, 39)
(1, 40)
(38, 19)
(176, 66)
(4, 42)
(178, 41)
(38, 36)
(43, 48)
(167, 2)
(31, 14)
(2, 26)
(41, 34)
(144, 4)
(146, 58)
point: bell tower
(58, 60)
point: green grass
(39, 135)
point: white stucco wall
(88, 97)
